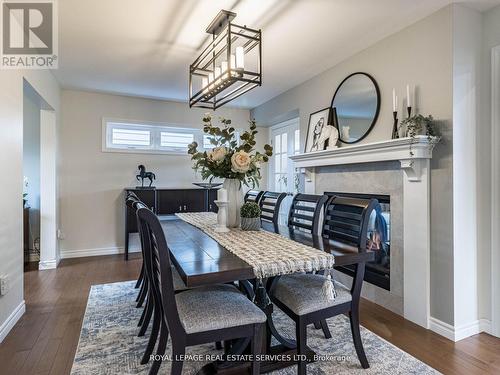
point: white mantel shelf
(394, 149)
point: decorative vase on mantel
(235, 199)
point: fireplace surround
(412, 171)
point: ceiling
(144, 47)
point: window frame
(156, 129)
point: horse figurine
(143, 174)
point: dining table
(201, 261)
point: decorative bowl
(207, 185)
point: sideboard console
(168, 202)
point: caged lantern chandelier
(228, 67)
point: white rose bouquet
(228, 159)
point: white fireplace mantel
(416, 203)
(394, 149)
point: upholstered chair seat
(302, 293)
(216, 307)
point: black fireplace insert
(377, 272)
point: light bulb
(240, 58)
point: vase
(235, 199)
(250, 223)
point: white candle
(223, 66)
(204, 84)
(408, 100)
(210, 80)
(222, 195)
(232, 63)
(394, 104)
(217, 75)
(240, 58)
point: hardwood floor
(44, 340)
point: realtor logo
(29, 34)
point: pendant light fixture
(228, 67)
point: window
(141, 137)
(283, 177)
(179, 140)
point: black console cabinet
(169, 202)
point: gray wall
(91, 178)
(420, 55)
(31, 158)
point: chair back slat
(346, 220)
(253, 196)
(270, 203)
(158, 266)
(305, 212)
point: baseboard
(459, 333)
(485, 325)
(65, 254)
(48, 264)
(12, 320)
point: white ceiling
(144, 47)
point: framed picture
(317, 122)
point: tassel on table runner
(328, 289)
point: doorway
(40, 184)
(285, 139)
(31, 177)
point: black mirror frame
(375, 118)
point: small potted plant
(417, 125)
(250, 216)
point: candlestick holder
(221, 217)
(395, 130)
(409, 111)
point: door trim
(295, 122)
(495, 190)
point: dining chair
(300, 296)
(195, 316)
(305, 212)
(253, 196)
(149, 310)
(144, 295)
(270, 203)
(131, 202)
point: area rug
(109, 343)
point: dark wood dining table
(201, 260)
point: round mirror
(355, 107)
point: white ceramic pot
(250, 223)
(235, 198)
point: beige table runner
(269, 254)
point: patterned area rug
(109, 343)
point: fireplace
(377, 272)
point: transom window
(131, 136)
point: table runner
(269, 254)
